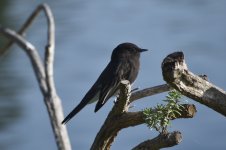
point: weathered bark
(177, 75)
(161, 141)
(110, 128)
(119, 118)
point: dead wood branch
(44, 73)
(119, 118)
(177, 75)
(161, 141)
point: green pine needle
(159, 117)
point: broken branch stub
(176, 74)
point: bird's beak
(143, 50)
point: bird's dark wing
(116, 72)
(105, 87)
(105, 79)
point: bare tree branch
(32, 54)
(161, 141)
(53, 102)
(136, 118)
(119, 118)
(177, 75)
(149, 92)
(44, 74)
(49, 52)
(109, 129)
(24, 27)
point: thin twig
(24, 27)
(149, 92)
(50, 47)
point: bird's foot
(135, 89)
(115, 100)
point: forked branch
(119, 118)
(44, 73)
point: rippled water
(86, 33)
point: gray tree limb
(177, 75)
(161, 141)
(149, 92)
(119, 118)
(44, 73)
(25, 26)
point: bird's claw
(135, 89)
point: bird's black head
(126, 50)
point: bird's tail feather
(80, 106)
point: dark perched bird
(124, 65)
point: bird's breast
(133, 70)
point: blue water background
(86, 33)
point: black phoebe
(124, 65)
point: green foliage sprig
(159, 117)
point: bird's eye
(133, 50)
